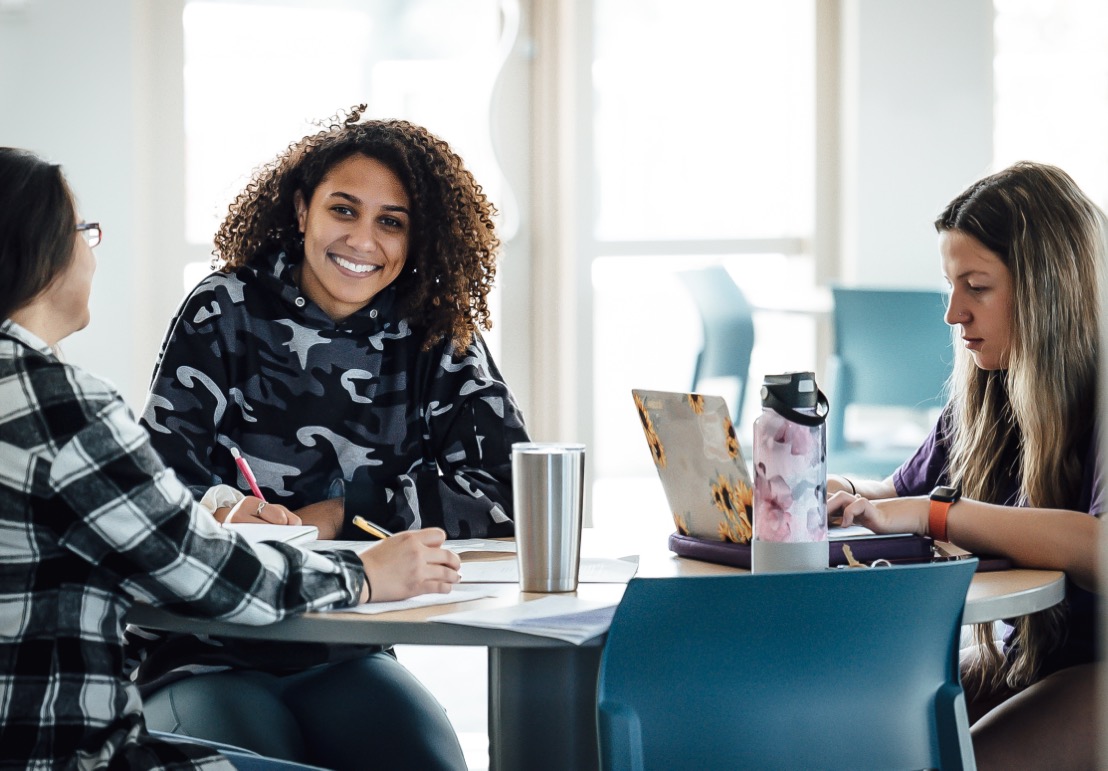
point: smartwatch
(942, 498)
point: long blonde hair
(1038, 414)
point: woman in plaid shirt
(91, 521)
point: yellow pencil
(371, 528)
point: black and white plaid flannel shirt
(91, 521)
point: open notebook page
(294, 534)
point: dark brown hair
(451, 261)
(38, 227)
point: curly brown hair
(453, 246)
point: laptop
(706, 480)
(710, 491)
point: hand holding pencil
(408, 564)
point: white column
(917, 127)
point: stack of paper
(576, 627)
(564, 618)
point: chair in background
(728, 324)
(853, 668)
(891, 349)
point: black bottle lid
(796, 390)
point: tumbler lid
(796, 390)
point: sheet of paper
(594, 570)
(460, 546)
(300, 535)
(355, 546)
(855, 532)
(564, 618)
(837, 533)
(480, 544)
(458, 594)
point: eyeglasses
(91, 231)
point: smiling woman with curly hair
(338, 348)
(451, 259)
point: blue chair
(852, 668)
(891, 349)
(728, 324)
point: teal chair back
(728, 325)
(853, 668)
(891, 349)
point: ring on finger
(261, 506)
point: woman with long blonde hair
(1011, 467)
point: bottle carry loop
(771, 400)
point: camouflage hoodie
(411, 438)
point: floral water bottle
(790, 476)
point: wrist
(220, 499)
(942, 498)
(367, 590)
(847, 480)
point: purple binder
(895, 548)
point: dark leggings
(365, 713)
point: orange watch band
(936, 519)
(942, 498)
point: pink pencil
(247, 473)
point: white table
(542, 692)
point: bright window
(1051, 71)
(703, 146)
(704, 119)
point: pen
(372, 529)
(247, 474)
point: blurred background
(798, 144)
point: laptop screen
(696, 453)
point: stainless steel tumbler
(548, 490)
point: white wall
(917, 127)
(67, 92)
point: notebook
(710, 490)
(294, 534)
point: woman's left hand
(251, 510)
(888, 515)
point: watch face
(946, 494)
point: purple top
(928, 468)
